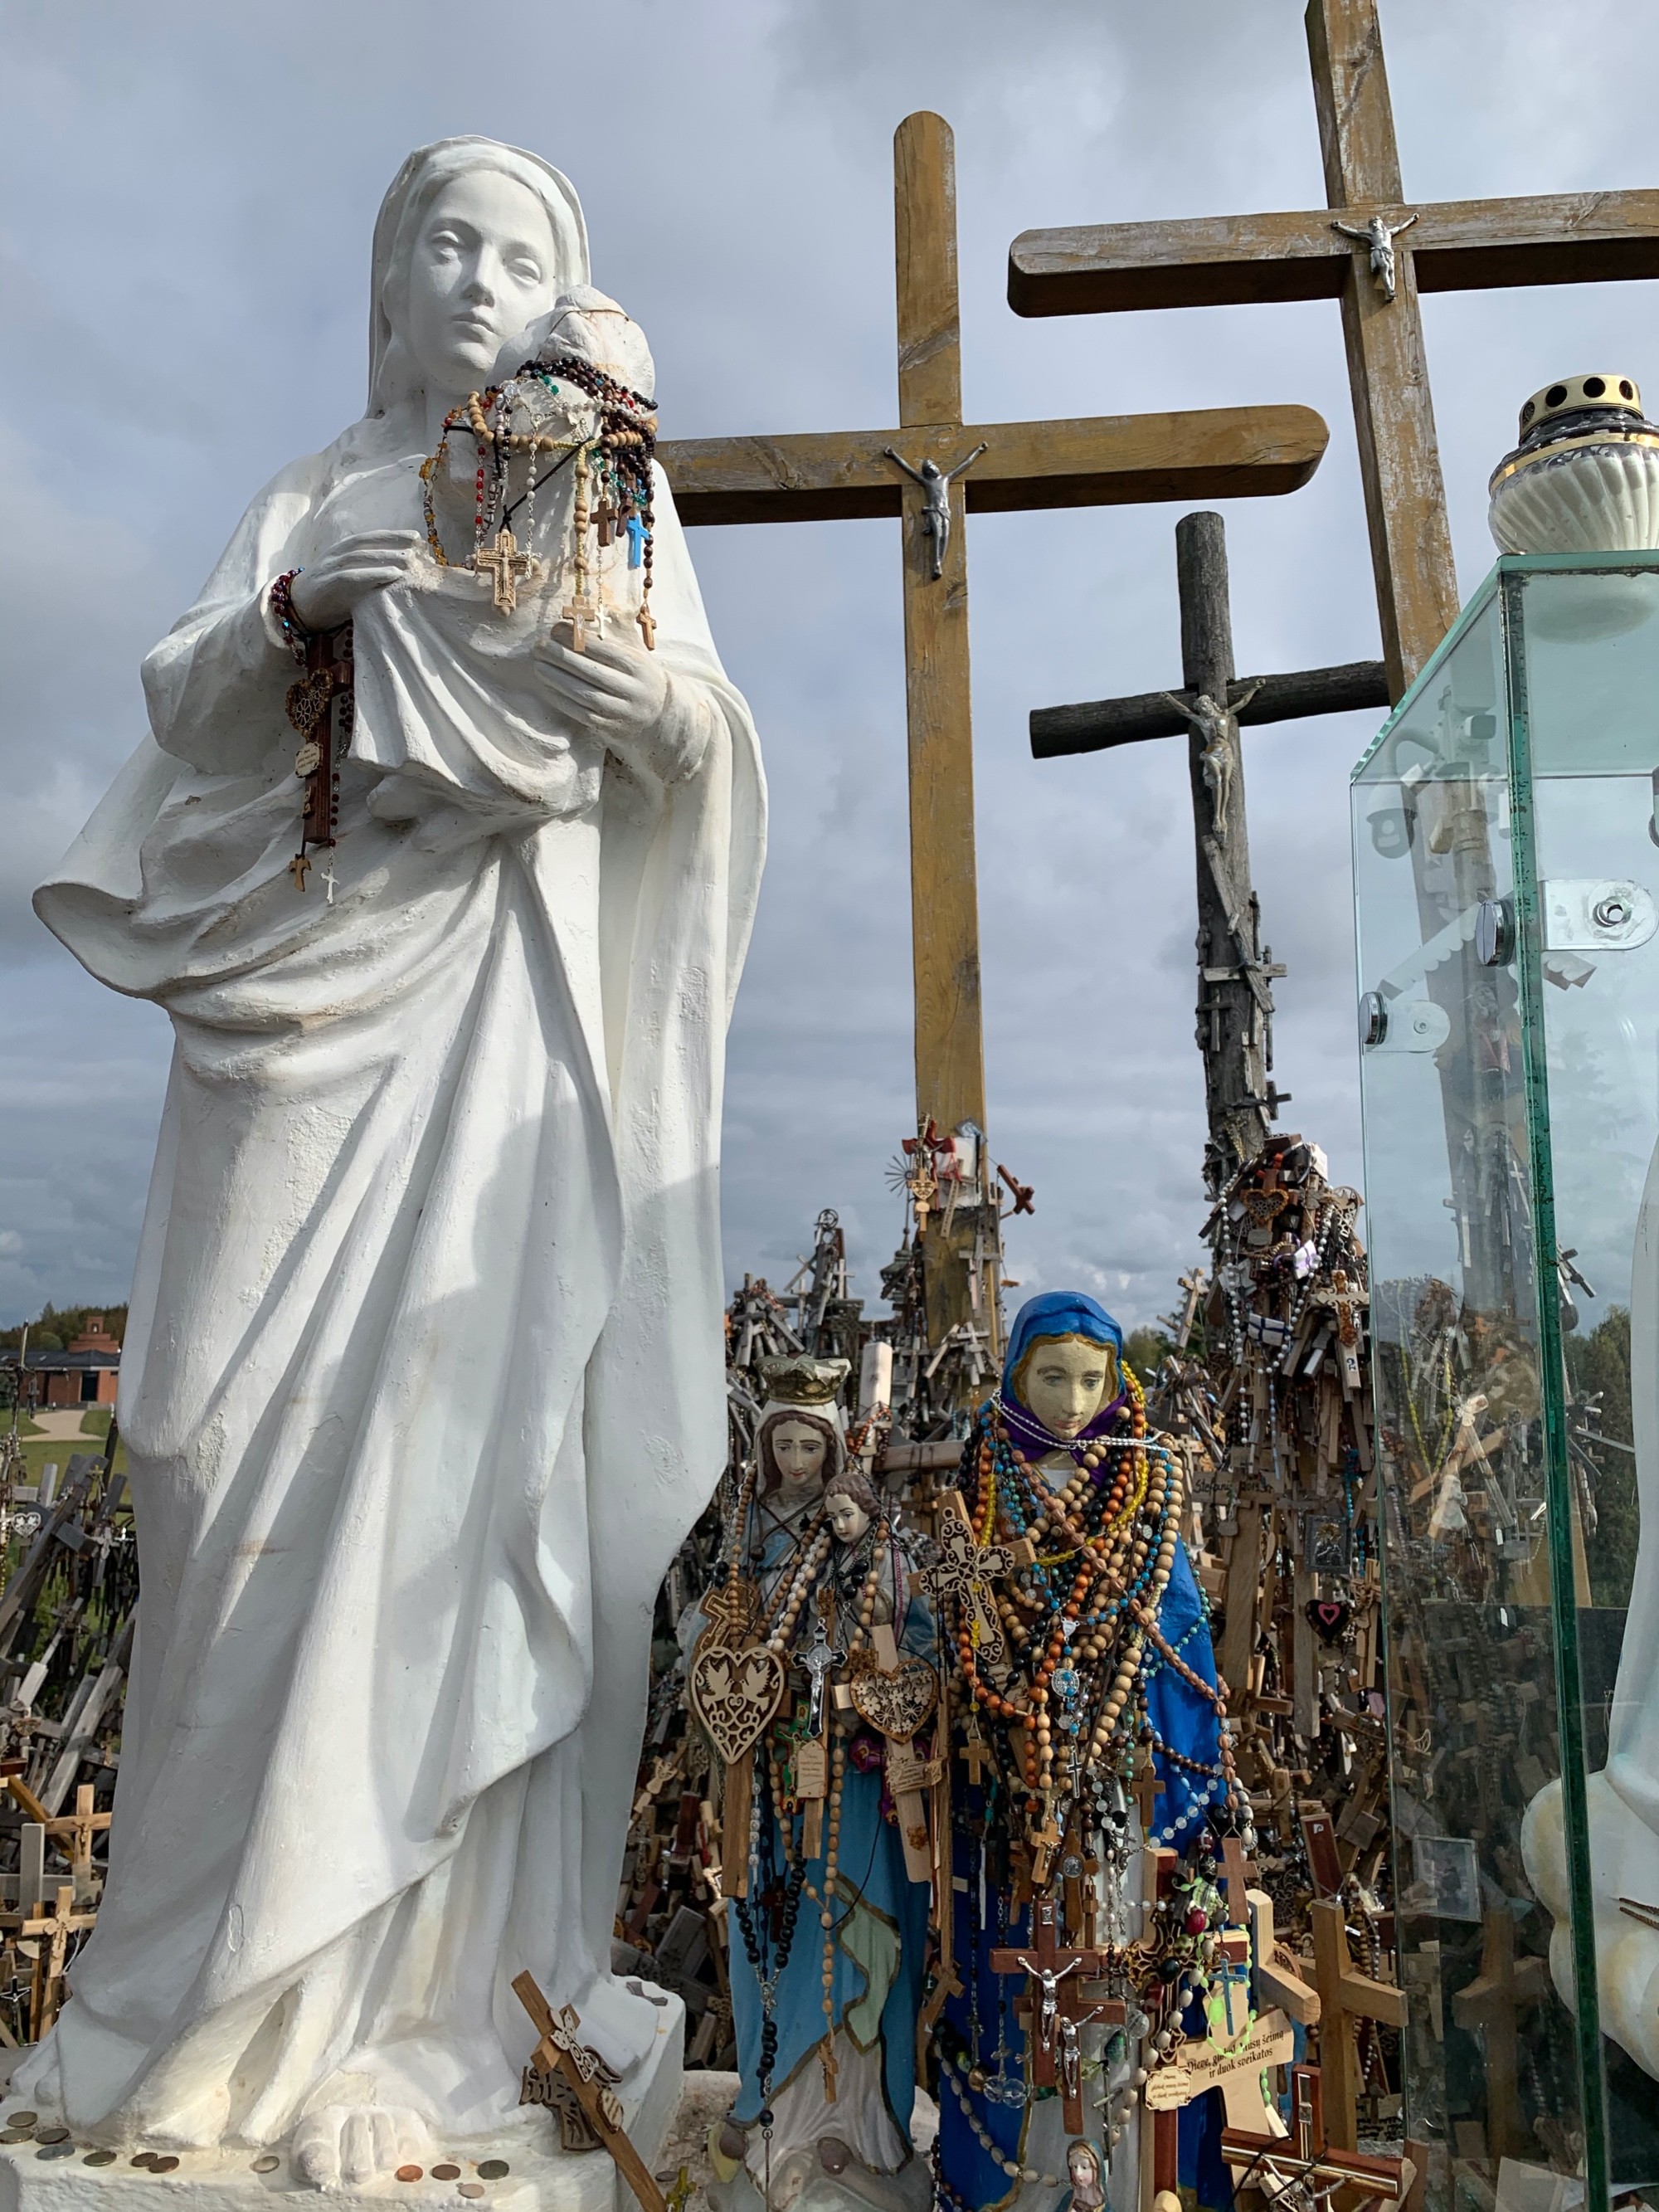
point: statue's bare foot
(343, 2146)
(37, 2080)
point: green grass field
(38, 1448)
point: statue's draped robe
(422, 1384)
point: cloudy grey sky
(188, 194)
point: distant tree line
(57, 1326)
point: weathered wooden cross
(73, 1833)
(1227, 453)
(1562, 238)
(1493, 2003)
(1346, 1995)
(50, 1932)
(1064, 1997)
(560, 2051)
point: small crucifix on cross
(1379, 235)
(50, 1932)
(936, 484)
(1065, 1997)
(818, 1663)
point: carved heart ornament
(307, 700)
(899, 1704)
(735, 1693)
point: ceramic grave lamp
(1584, 478)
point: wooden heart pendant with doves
(734, 1694)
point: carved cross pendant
(506, 567)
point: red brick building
(85, 1373)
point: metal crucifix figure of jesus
(1215, 729)
(1379, 234)
(819, 1662)
(936, 499)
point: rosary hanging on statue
(320, 707)
(527, 418)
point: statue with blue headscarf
(1084, 1941)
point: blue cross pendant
(636, 537)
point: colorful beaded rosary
(614, 457)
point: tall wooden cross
(1105, 461)
(1377, 253)
(1346, 1996)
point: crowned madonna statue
(422, 1386)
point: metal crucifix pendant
(819, 1663)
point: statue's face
(848, 1518)
(1066, 1383)
(485, 265)
(798, 1452)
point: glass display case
(1506, 863)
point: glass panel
(1490, 2058)
(1591, 673)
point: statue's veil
(422, 176)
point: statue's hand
(618, 692)
(326, 594)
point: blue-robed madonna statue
(828, 1944)
(1084, 1696)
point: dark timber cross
(1562, 238)
(1236, 971)
(1104, 460)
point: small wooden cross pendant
(647, 622)
(506, 567)
(605, 516)
(299, 867)
(977, 1752)
(580, 611)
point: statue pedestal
(542, 2178)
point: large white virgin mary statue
(423, 1384)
